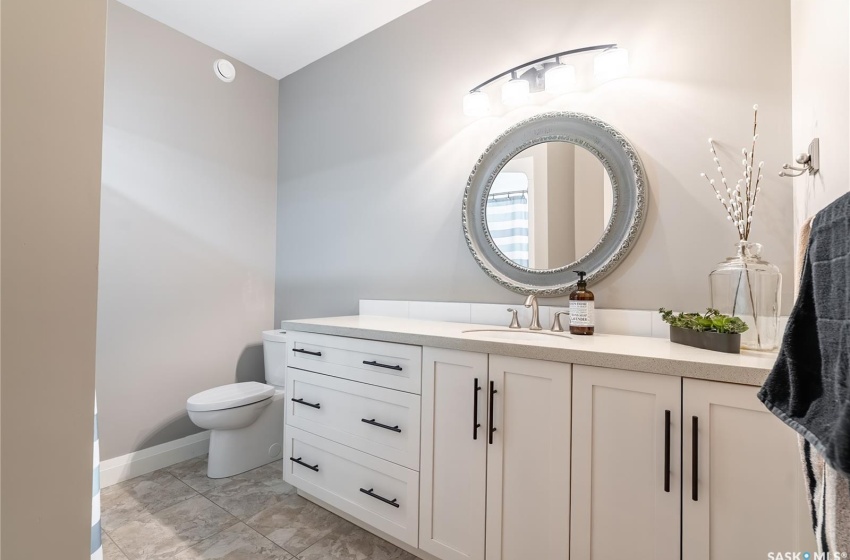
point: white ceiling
(276, 37)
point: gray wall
(821, 102)
(188, 229)
(52, 106)
(375, 150)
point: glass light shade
(560, 78)
(611, 64)
(476, 104)
(515, 92)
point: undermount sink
(515, 334)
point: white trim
(125, 467)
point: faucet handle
(556, 322)
(514, 319)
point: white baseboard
(125, 467)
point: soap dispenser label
(581, 313)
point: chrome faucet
(531, 301)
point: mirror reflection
(549, 205)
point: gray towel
(808, 386)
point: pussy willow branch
(755, 169)
(751, 195)
(740, 209)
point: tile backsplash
(631, 322)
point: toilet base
(235, 451)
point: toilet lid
(229, 396)
(275, 335)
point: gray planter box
(729, 343)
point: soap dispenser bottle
(581, 307)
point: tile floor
(179, 513)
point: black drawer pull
(493, 391)
(384, 426)
(393, 502)
(475, 425)
(666, 450)
(305, 403)
(695, 459)
(376, 364)
(303, 464)
(302, 351)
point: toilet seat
(229, 396)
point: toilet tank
(274, 354)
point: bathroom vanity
(461, 441)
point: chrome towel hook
(810, 161)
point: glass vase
(747, 287)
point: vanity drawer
(380, 493)
(386, 364)
(378, 421)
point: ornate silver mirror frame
(628, 209)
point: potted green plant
(711, 330)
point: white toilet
(245, 419)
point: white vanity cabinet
(352, 429)
(463, 455)
(737, 493)
(453, 473)
(743, 492)
(528, 460)
(626, 482)
(496, 457)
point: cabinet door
(625, 475)
(454, 454)
(528, 460)
(743, 483)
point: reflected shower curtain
(507, 220)
(96, 544)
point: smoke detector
(224, 70)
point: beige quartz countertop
(636, 353)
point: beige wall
(52, 106)
(187, 231)
(561, 198)
(1, 288)
(589, 207)
(371, 180)
(538, 206)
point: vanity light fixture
(476, 104)
(611, 64)
(546, 73)
(516, 91)
(560, 78)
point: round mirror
(549, 205)
(556, 193)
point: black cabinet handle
(303, 464)
(376, 364)
(302, 351)
(666, 450)
(384, 426)
(475, 425)
(305, 403)
(393, 502)
(493, 391)
(695, 459)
